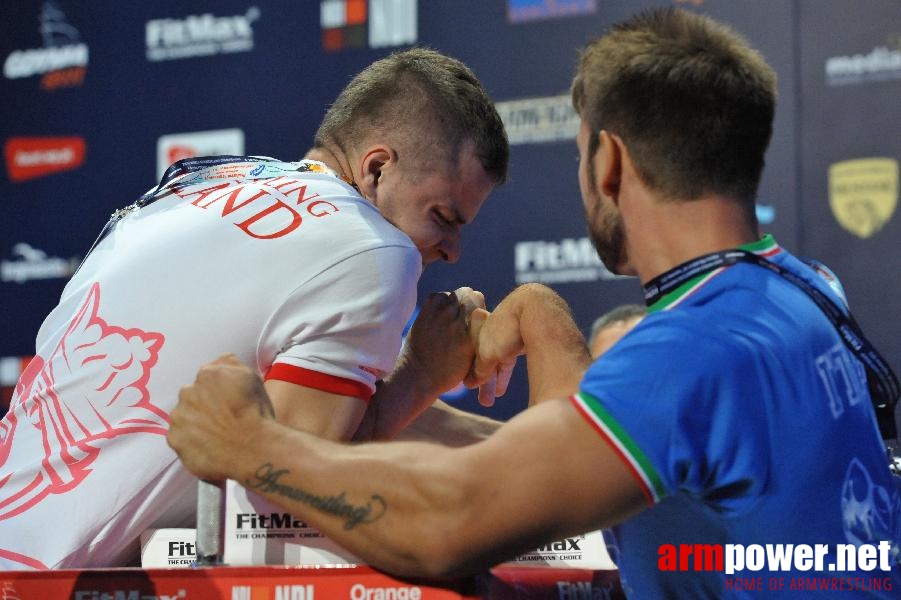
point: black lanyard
(176, 169)
(191, 165)
(881, 380)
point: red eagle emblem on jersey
(92, 387)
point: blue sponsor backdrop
(97, 97)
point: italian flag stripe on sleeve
(622, 444)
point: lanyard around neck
(881, 380)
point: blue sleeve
(680, 406)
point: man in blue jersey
(730, 440)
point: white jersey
(282, 264)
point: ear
(374, 162)
(609, 164)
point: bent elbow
(442, 559)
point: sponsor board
(176, 146)
(569, 260)
(194, 36)
(168, 548)
(588, 551)
(863, 194)
(236, 583)
(61, 62)
(279, 592)
(881, 63)
(30, 263)
(257, 532)
(536, 120)
(33, 157)
(367, 23)
(520, 11)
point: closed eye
(444, 221)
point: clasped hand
(456, 339)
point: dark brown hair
(692, 101)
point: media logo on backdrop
(33, 157)
(200, 35)
(881, 63)
(559, 261)
(367, 23)
(63, 59)
(520, 11)
(863, 194)
(176, 146)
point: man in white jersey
(306, 270)
(737, 420)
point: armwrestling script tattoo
(266, 479)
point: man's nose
(450, 248)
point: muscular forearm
(555, 349)
(410, 508)
(397, 401)
(436, 356)
(449, 426)
(424, 510)
(405, 521)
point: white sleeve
(341, 330)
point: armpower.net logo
(744, 565)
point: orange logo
(29, 158)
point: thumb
(477, 319)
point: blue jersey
(749, 426)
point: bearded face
(605, 228)
(605, 224)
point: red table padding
(304, 583)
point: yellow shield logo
(863, 193)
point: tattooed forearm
(266, 479)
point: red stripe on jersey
(319, 381)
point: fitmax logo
(564, 545)
(200, 35)
(585, 590)
(181, 549)
(559, 261)
(270, 521)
